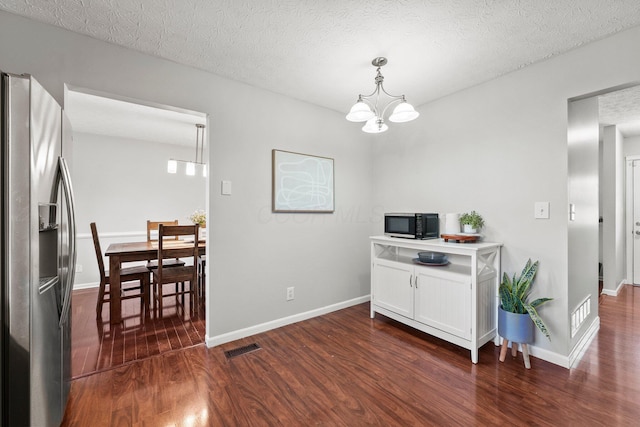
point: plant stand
(514, 352)
(515, 328)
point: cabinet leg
(503, 350)
(525, 355)
(474, 355)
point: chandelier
(366, 109)
(190, 166)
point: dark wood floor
(344, 369)
(98, 346)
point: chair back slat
(168, 249)
(153, 227)
(172, 253)
(96, 245)
(176, 230)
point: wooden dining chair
(170, 249)
(152, 236)
(135, 280)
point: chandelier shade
(404, 112)
(367, 108)
(374, 125)
(190, 166)
(172, 166)
(360, 112)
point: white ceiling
(103, 115)
(321, 51)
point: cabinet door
(443, 300)
(393, 287)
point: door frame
(629, 214)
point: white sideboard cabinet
(456, 302)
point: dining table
(119, 253)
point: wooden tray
(461, 238)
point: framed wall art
(301, 183)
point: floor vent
(579, 315)
(241, 350)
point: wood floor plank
(345, 369)
(97, 345)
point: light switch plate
(541, 210)
(226, 188)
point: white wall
(583, 135)
(120, 184)
(253, 254)
(613, 206)
(498, 148)
(632, 146)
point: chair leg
(100, 301)
(197, 294)
(159, 298)
(193, 295)
(146, 290)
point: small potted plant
(200, 217)
(471, 222)
(516, 315)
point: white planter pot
(466, 228)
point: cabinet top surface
(438, 244)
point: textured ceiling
(621, 108)
(320, 51)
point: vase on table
(202, 232)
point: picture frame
(301, 183)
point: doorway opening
(119, 158)
(615, 114)
(619, 120)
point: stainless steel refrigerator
(37, 255)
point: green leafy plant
(473, 218)
(514, 295)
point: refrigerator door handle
(64, 178)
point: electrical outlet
(290, 293)
(78, 268)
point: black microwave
(412, 225)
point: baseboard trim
(78, 286)
(616, 291)
(576, 354)
(582, 345)
(274, 324)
